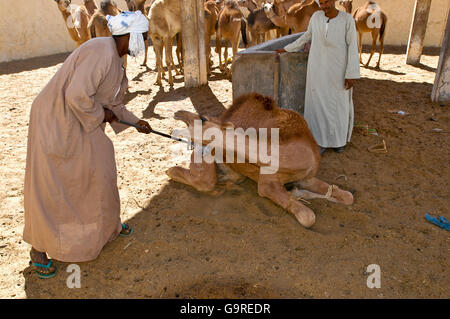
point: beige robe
(72, 205)
(333, 57)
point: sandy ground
(239, 245)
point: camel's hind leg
(270, 186)
(374, 45)
(158, 48)
(201, 176)
(146, 53)
(178, 69)
(320, 189)
(360, 34)
(219, 48)
(381, 49)
(225, 56)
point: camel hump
(256, 101)
(257, 111)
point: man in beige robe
(71, 199)
(333, 65)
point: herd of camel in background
(255, 21)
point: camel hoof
(306, 217)
(347, 198)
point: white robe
(333, 58)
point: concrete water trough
(282, 77)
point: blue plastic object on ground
(441, 222)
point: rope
(330, 191)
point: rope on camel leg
(291, 200)
(329, 193)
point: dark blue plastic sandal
(43, 275)
(124, 227)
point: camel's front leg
(360, 46)
(202, 176)
(219, 49)
(270, 186)
(146, 52)
(320, 189)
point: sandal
(44, 275)
(126, 231)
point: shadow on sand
(30, 64)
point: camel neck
(65, 14)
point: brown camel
(259, 25)
(98, 25)
(298, 164)
(164, 24)
(369, 18)
(90, 6)
(211, 15)
(230, 24)
(77, 21)
(296, 17)
(247, 6)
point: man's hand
(109, 116)
(146, 128)
(349, 83)
(280, 51)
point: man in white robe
(333, 64)
(71, 199)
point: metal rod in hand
(192, 144)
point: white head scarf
(134, 23)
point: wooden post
(417, 32)
(441, 87)
(193, 37)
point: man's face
(327, 5)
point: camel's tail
(383, 26)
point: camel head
(219, 4)
(131, 5)
(63, 5)
(109, 7)
(269, 10)
(347, 4)
(207, 122)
